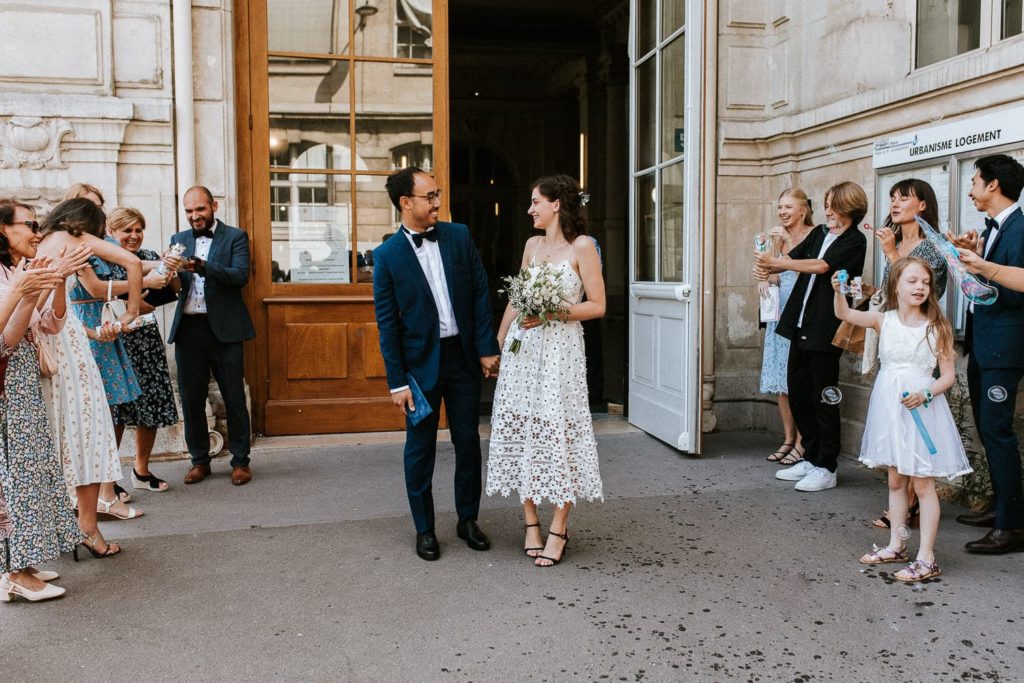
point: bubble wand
(921, 428)
(973, 288)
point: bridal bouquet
(536, 290)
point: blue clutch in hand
(423, 409)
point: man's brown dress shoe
(197, 473)
(998, 542)
(240, 476)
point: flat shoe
(876, 556)
(780, 454)
(918, 571)
(148, 482)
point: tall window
(349, 98)
(659, 144)
(947, 28)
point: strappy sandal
(918, 570)
(793, 457)
(121, 494)
(108, 514)
(884, 522)
(533, 549)
(553, 561)
(90, 544)
(876, 555)
(780, 454)
(148, 482)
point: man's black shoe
(469, 532)
(986, 519)
(998, 542)
(427, 546)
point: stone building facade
(139, 97)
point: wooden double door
(332, 96)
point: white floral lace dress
(542, 435)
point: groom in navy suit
(434, 319)
(996, 364)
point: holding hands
(490, 365)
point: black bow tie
(991, 224)
(418, 237)
(202, 233)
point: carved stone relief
(33, 143)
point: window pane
(646, 111)
(672, 223)
(673, 14)
(310, 227)
(672, 99)
(1013, 18)
(377, 221)
(647, 26)
(307, 26)
(394, 116)
(402, 28)
(946, 28)
(309, 113)
(646, 229)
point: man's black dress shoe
(427, 546)
(469, 532)
(987, 519)
(998, 542)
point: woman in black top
(809, 322)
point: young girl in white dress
(542, 435)
(913, 336)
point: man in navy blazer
(434, 319)
(994, 341)
(210, 323)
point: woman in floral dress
(84, 429)
(41, 520)
(155, 408)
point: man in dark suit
(434, 319)
(996, 363)
(210, 324)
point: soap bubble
(831, 396)
(997, 394)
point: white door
(665, 246)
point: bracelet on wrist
(928, 397)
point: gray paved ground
(694, 569)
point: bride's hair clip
(584, 198)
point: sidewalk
(693, 569)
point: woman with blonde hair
(810, 323)
(155, 407)
(794, 211)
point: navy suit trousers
(458, 385)
(994, 420)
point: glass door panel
(315, 26)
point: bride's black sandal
(529, 550)
(553, 561)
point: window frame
(989, 34)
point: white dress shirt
(829, 239)
(196, 301)
(429, 256)
(999, 219)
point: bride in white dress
(542, 435)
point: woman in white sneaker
(810, 324)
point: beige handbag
(113, 309)
(48, 366)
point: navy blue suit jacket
(227, 272)
(407, 318)
(997, 339)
